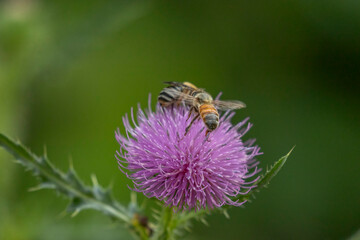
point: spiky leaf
(265, 179)
(270, 173)
(81, 196)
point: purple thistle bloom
(187, 172)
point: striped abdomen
(171, 94)
(210, 116)
(168, 95)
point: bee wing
(180, 96)
(228, 105)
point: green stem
(166, 225)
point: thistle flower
(186, 172)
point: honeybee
(199, 101)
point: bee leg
(207, 135)
(190, 112)
(192, 121)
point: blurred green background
(69, 70)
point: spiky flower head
(186, 172)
